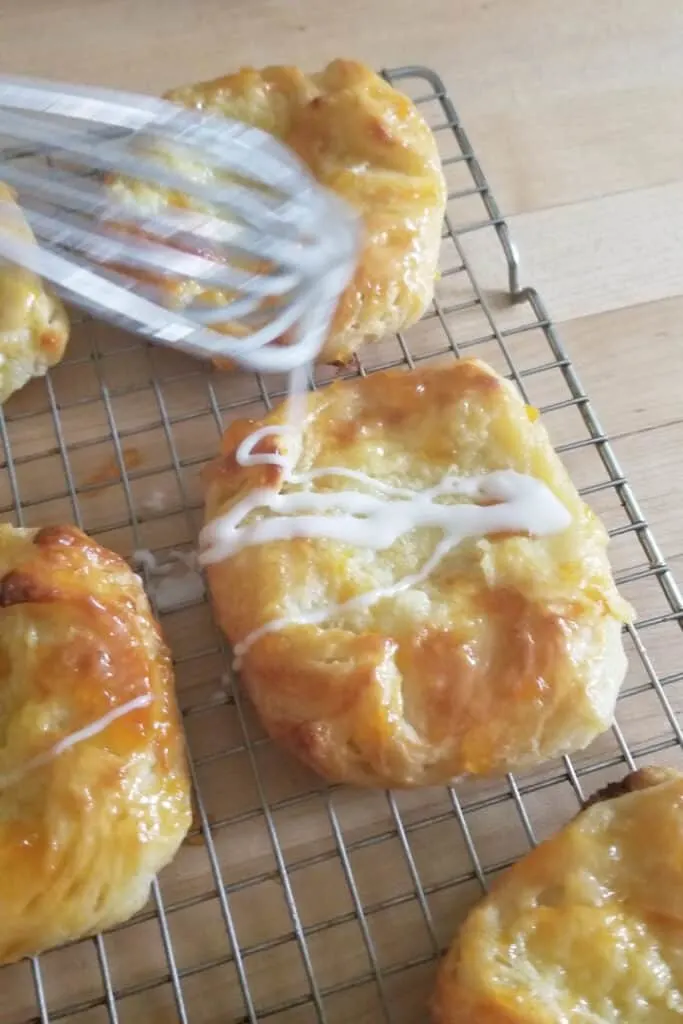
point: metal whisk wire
(248, 220)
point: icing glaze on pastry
(512, 502)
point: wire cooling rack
(292, 901)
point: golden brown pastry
(33, 326)
(507, 654)
(94, 792)
(587, 928)
(364, 140)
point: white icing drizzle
(373, 518)
(87, 732)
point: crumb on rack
(154, 502)
(173, 580)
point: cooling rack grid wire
(292, 901)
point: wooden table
(575, 113)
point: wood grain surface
(575, 113)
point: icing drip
(375, 517)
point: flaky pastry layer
(587, 927)
(367, 142)
(94, 790)
(509, 653)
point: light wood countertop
(574, 110)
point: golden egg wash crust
(509, 653)
(34, 329)
(94, 790)
(587, 927)
(362, 139)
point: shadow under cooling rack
(292, 901)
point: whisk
(253, 223)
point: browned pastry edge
(642, 778)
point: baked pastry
(364, 140)
(501, 654)
(33, 326)
(587, 927)
(94, 791)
